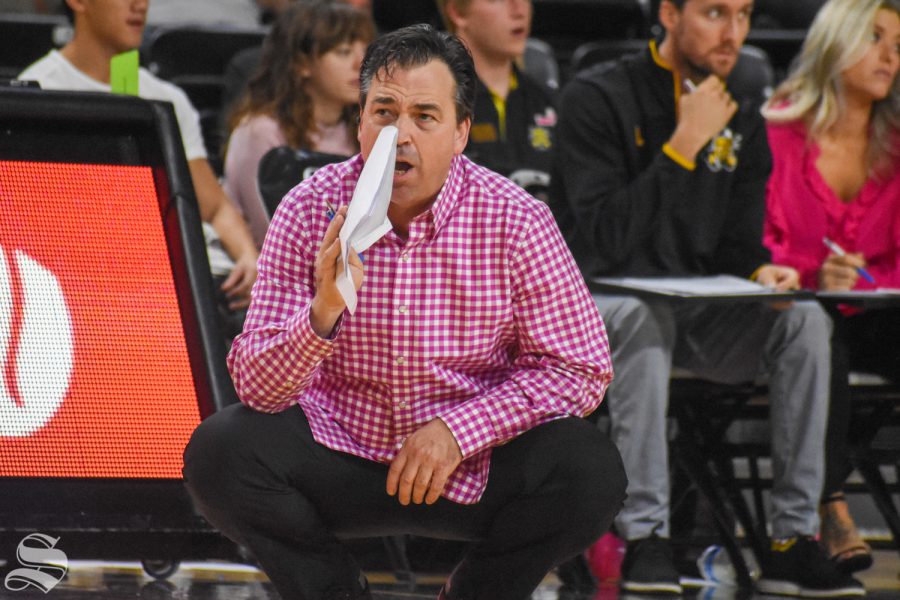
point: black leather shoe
(576, 576)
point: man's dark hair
(415, 46)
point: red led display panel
(94, 372)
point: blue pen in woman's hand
(841, 252)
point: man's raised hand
(328, 304)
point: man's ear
(77, 6)
(462, 135)
(454, 15)
(669, 14)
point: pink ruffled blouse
(802, 209)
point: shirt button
(405, 257)
(402, 404)
(401, 360)
(402, 310)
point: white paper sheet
(367, 218)
(716, 285)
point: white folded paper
(366, 219)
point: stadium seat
(592, 53)
(565, 24)
(540, 63)
(175, 52)
(753, 76)
(797, 13)
(394, 14)
(194, 58)
(25, 38)
(781, 46)
(281, 168)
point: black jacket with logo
(530, 125)
(626, 208)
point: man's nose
(735, 29)
(730, 30)
(404, 126)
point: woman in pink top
(305, 94)
(834, 131)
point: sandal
(844, 545)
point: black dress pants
(265, 483)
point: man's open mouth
(402, 167)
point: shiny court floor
(225, 581)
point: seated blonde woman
(834, 130)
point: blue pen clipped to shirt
(330, 214)
(841, 252)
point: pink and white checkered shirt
(480, 318)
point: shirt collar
(667, 71)
(450, 193)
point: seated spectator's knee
(636, 323)
(809, 322)
(626, 310)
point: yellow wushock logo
(722, 151)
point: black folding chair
(874, 439)
(704, 411)
(281, 168)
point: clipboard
(877, 298)
(715, 288)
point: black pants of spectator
(870, 342)
(265, 483)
